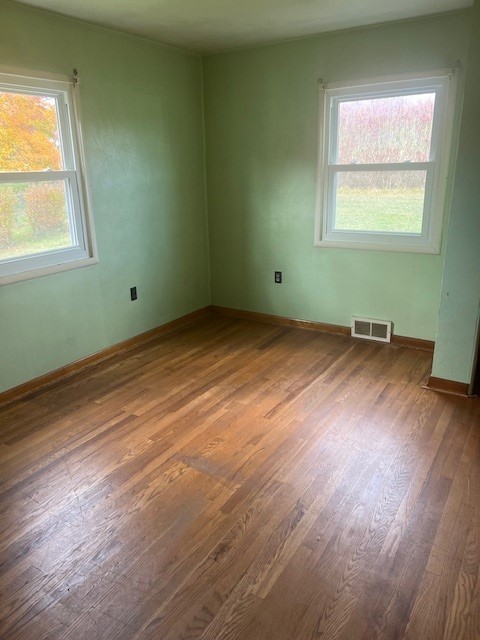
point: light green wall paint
(142, 115)
(142, 107)
(261, 122)
(458, 317)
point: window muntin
(44, 222)
(383, 162)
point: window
(44, 219)
(383, 161)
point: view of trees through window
(396, 129)
(33, 214)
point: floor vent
(369, 329)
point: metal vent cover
(370, 329)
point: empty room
(239, 320)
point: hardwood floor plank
(241, 481)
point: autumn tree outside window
(45, 222)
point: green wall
(143, 123)
(458, 317)
(143, 126)
(261, 124)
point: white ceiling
(208, 26)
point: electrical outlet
(133, 293)
(278, 277)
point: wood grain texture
(242, 481)
(447, 386)
(310, 325)
(88, 361)
(413, 343)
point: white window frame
(443, 84)
(83, 251)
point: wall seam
(205, 185)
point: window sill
(377, 246)
(45, 271)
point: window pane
(396, 129)
(29, 134)
(33, 218)
(380, 201)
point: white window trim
(84, 253)
(429, 241)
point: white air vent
(369, 329)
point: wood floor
(234, 480)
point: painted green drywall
(458, 318)
(143, 130)
(261, 146)
(142, 107)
